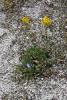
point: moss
(11, 4)
(8, 4)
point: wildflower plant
(25, 21)
(46, 24)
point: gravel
(13, 42)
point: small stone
(65, 27)
(42, 79)
(27, 37)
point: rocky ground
(13, 41)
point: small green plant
(34, 62)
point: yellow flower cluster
(25, 20)
(46, 21)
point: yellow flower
(46, 21)
(25, 20)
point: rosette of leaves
(34, 62)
